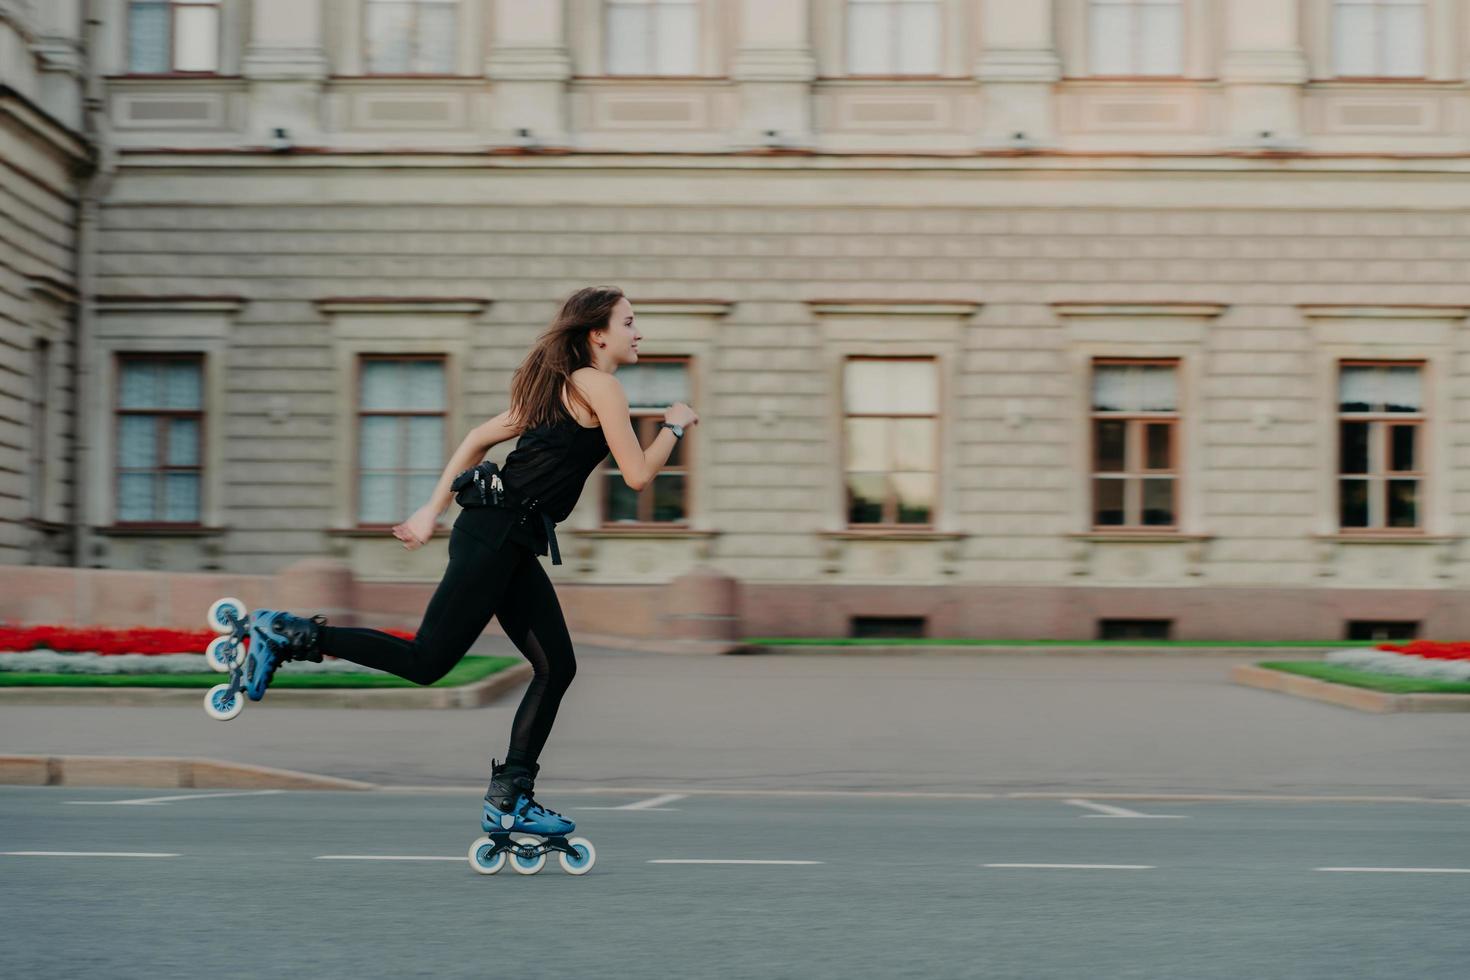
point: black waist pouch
(479, 486)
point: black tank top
(551, 463)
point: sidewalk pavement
(1086, 724)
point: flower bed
(1424, 659)
(141, 650)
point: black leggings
(481, 581)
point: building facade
(1051, 318)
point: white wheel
(220, 705)
(224, 654)
(221, 608)
(585, 859)
(523, 866)
(480, 862)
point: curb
(475, 695)
(1359, 698)
(159, 772)
(1002, 650)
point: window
(652, 37)
(412, 37)
(40, 455)
(1378, 38)
(652, 385)
(1135, 418)
(891, 440)
(874, 627)
(160, 439)
(1136, 37)
(401, 435)
(1380, 435)
(893, 37)
(1134, 629)
(166, 36)
(1382, 629)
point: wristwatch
(677, 430)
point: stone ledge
(159, 772)
(475, 695)
(1359, 698)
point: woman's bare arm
(481, 439)
(637, 465)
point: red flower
(1430, 649)
(141, 639)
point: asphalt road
(1168, 724)
(898, 886)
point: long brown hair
(535, 390)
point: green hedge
(467, 671)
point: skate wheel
(221, 705)
(480, 858)
(527, 866)
(585, 859)
(225, 613)
(224, 654)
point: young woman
(569, 411)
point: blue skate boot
(511, 808)
(276, 637)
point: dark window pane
(1382, 629)
(1109, 440)
(1401, 448)
(1158, 447)
(1134, 629)
(1403, 503)
(1108, 506)
(1158, 503)
(865, 497)
(886, 626)
(915, 497)
(676, 458)
(1354, 454)
(668, 497)
(1354, 511)
(622, 501)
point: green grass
(467, 671)
(1389, 683)
(848, 641)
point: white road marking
(88, 854)
(1096, 867)
(1104, 810)
(723, 861)
(653, 803)
(161, 800)
(1419, 871)
(386, 857)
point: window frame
(890, 499)
(648, 419)
(1380, 426)
(362, 358)
(941, 8)
(651, 70)
(1425, 52)
(1135, 451)
(121, 358)
(365, 41)
(1135, 73)
(173, 71)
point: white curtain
(1379, 38)
(196, 35)
(891, 387)
(1134, 388)
(1381, 389)
(655, 384)
(893, 37)
(652, 37)
(1136, 37)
